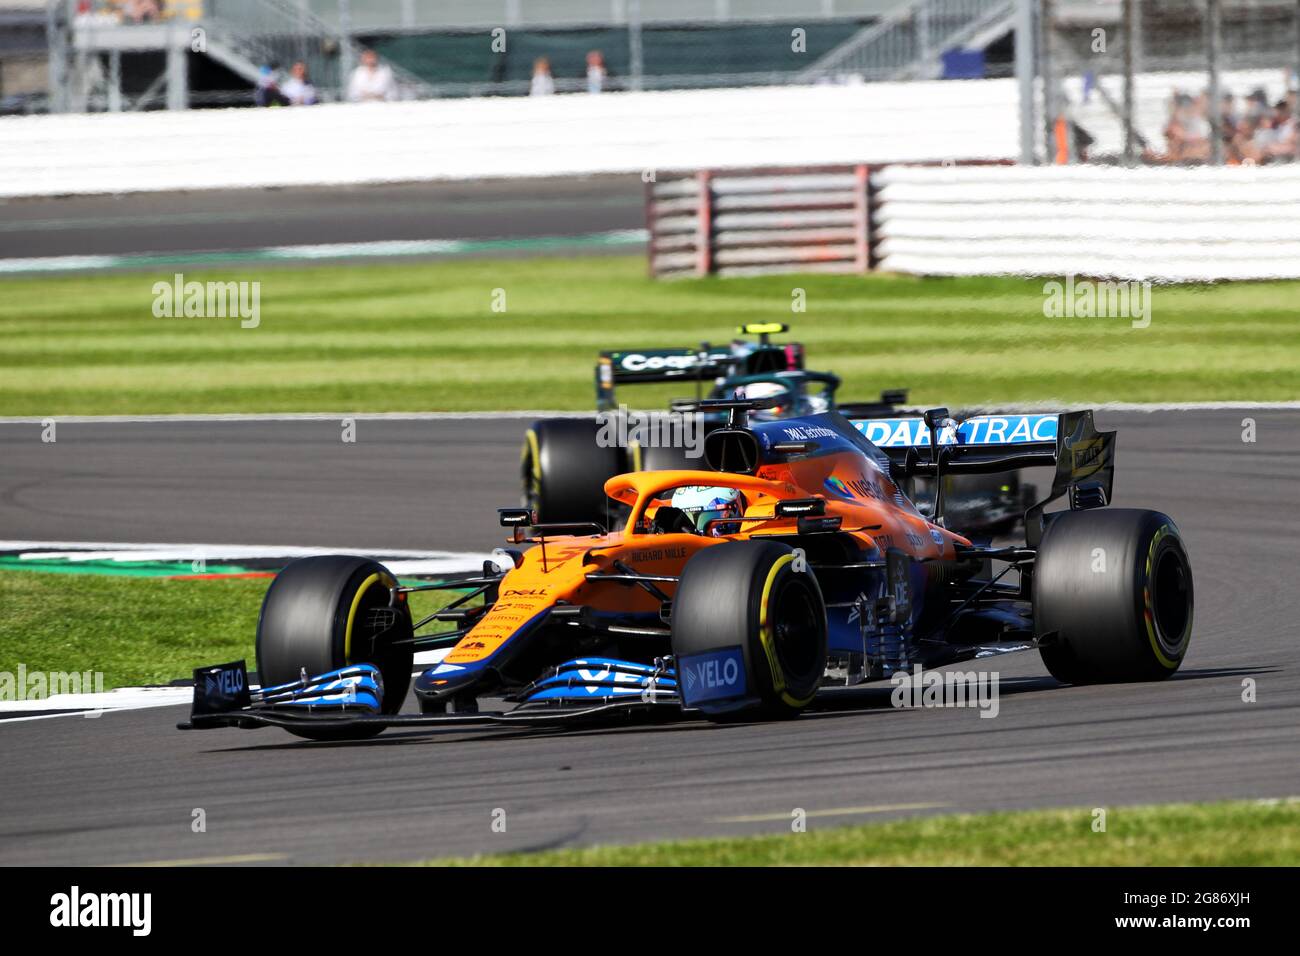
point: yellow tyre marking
(766, 637)
(352, 612)
(530, 445)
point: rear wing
(635, 366)
(1083, 458)
(983, 436)
(700, 364)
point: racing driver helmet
(705, 503)
(766, 390)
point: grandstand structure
(210, 52)
(1097, 80)
(232, 41)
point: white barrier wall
(546, 136)
(1162, 224)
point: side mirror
(800, 507)
(515, 517)
(502, 561)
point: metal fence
(460, 15)
(910, 41)
(1167, 81)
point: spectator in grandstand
(1228, 114)
(596, 72)
(1284, 131)
(143, 11)
(1238, 139)
(543, 83)
(1187, 133)
(1256, 105)
(297, 89)
(1262, 138)
(268, 91)
(1197, 129)
(1175, 133)
(371, 81)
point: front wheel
(327, 612)
(748, 631)
(1112, 596)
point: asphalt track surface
(223, 220)
(122, 788)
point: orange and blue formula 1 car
(792, 563)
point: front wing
(578, 691)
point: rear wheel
(668, 458)
(675, 457)
(747, 595)
(564, 470)
(327, 612)
(1113, 596)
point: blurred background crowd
(1254, 129)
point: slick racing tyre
(747, 600)
(1112, 596)
(668, 459)
(564, 470)
(673, 457)
(327, 612)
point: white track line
(385, 249)
(92, 706)
(399, 561)
(121, 698)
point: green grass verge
(1230, 833)
(424, 337)
(133, 630)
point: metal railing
(462, 15)
(910, 41)
(280, 32)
